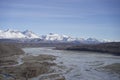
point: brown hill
(113, 47)
(9, 50)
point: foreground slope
(9, 50)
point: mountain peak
(27, 30)
(9, 30)
(10, 34)
(30, 34)
(51, 33)
(92, 39)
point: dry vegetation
(113, 47)
(33, 67)
(7, 50)
(114, 68)
(9, 54)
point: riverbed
(78, 65)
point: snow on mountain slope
(10, 34)
(30, 34)
(92, 40)
(55, 37)
(65, 38)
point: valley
(41, 63)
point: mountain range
(31, 36)
(14, 34)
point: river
(79, 65)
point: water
(76, 65)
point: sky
(78, 18)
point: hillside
(112, 47)
(9, 50)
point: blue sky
(79, 18)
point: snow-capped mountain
(92, 40)
(55, 37)
(29, 36)
(65, 38)
(14, 34)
